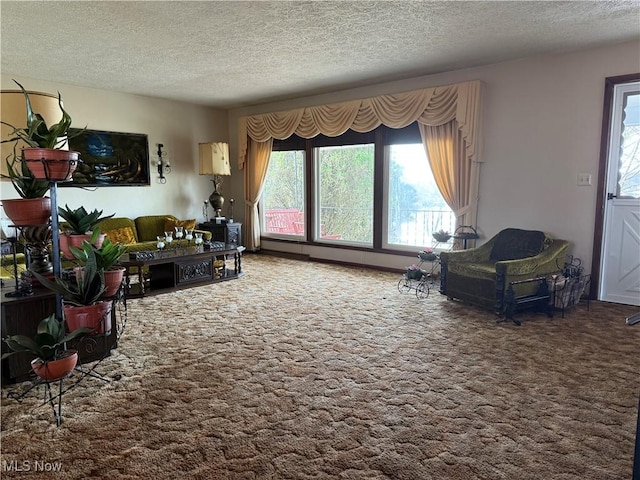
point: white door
(621, 244)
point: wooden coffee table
(174, 270)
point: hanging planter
(52, 370)
(427, 255)
(112, 281)
(414, 273)
(45, 156)
(68, 240)
(96, 317)
(51, 164)
(28, 211)
(53, 361)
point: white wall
(542, 120)
(178, 126)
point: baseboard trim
(308, 258)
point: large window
(373, 190)
(283, 197)
(415, 207)
(345, 193)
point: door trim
(598, 231)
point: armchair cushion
(513, 243)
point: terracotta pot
(50, 163)
(96, 317)
(74, 240)
(112, 281)
(55, 369)
(28, 211)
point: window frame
(381, 137)
(316, 186)
(293, 143)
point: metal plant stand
(54, 390)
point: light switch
(584, 179)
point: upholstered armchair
(482, 275)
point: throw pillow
(170, 224)
(122, 235)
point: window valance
(430, 106)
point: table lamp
(214, 160)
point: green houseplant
(107, 256)
(441, 236)
(23, 180)
(53, 361)
(79, 220)
(81, 295)
(427, 255)
(32, 208)
(45, 156)
(414, 272)
(79, 225)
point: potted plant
(81, 293)
(52, 361)
(45, 156)
(106, 256)
(441, 236)
(427, 255)
(414, 272)
(78, 228)
(32, 208)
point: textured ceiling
(231, 54)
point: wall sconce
(163, 164)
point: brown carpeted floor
(311, 371)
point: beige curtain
(254, 174)
(430, 106)
(452, 172)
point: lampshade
(13, 110)
(214, 158)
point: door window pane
(284, 193)
(345, 193)
(629, 173)
(416, 208)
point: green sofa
(481, 275)
(145, 231)
(6, 266)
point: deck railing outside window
(411, 227)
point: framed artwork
(110, 159)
